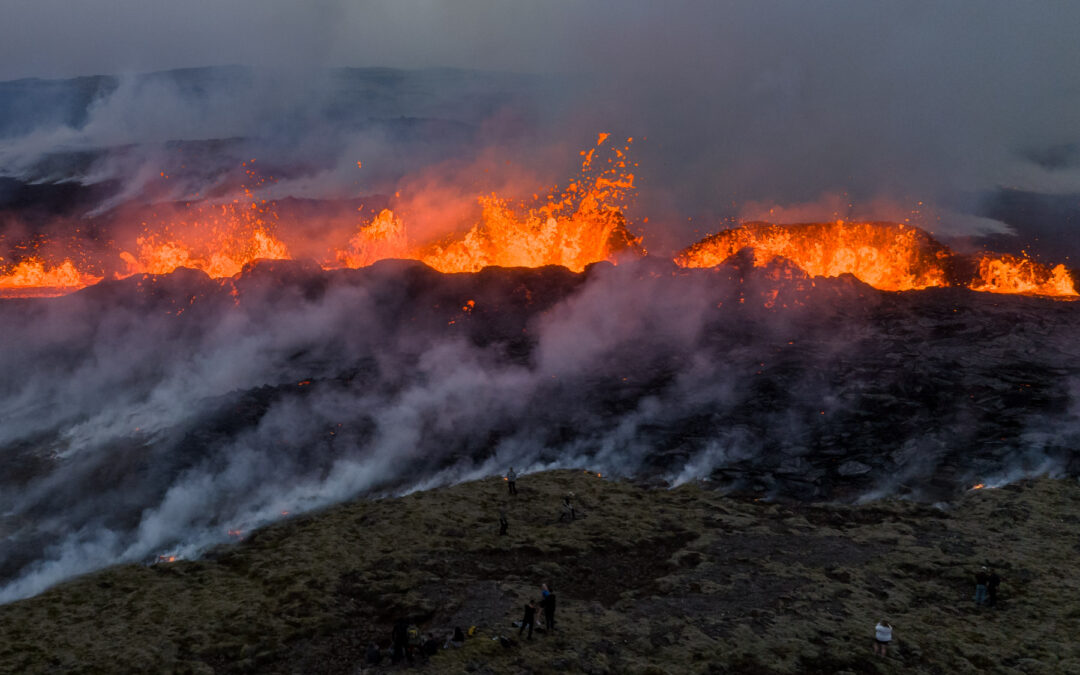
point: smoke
(131, 429)
(152, 416)
(921, 108)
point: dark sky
(794, 103)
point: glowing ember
(979, 486)
(166, 558)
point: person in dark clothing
(982, 577)
(503, 524)
(548, 603)
(511, 479)
(373, 655)
(400, 639)
(992, 583)
(530, 618)
(568, 512)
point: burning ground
(650, 580)
(155, 414)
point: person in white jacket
(882, 637)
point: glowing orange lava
(583, 225)
(35, 277)
(384, 237)
(218, 240)
(887, 256)
(1004, 273)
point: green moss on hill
(648, 581)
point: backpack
(413, 635)
(472, 631)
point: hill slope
(648, 580)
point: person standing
(992, 583)
(399, 639)
(568, 512)
(882, 637)
(548, 603)
(982, 578)
(530, 618)
(511, 479)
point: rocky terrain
(648, 580)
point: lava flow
(887, 256)
(34, 277)
(583, 224)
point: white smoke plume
(131, 430)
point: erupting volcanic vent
(581, 225)
(234, 359)
(888, 256)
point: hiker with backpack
(511, 479)
(414, 641)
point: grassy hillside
(649, 581)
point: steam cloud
(918, 111)
(145, 419)
(152, 415)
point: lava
(1004, 273)
(34, 277)
(218, 240)
(583, 224)
(887, 256)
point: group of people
(569, 513)
(986, 586)
(987, 581)
(547, 603)
(407, 643)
